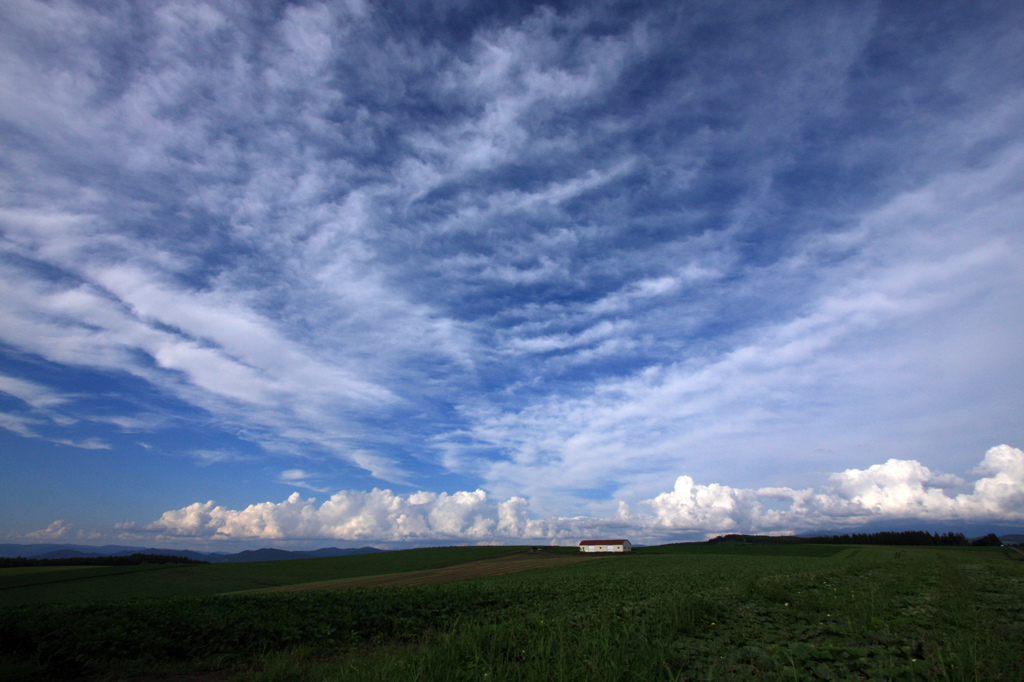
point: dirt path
(512, 563)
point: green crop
(755, 613)
(148, 581)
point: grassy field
(498, 565)
(681, 613)
(19, 586)
(819, 551)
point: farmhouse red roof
(602, 542)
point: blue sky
(408, 273)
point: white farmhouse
(605, 546)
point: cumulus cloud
(55, 531)
(896, 490)
(375, 516)
(351, 515)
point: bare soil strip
(512, 563)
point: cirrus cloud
(561, 254)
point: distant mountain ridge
(72, 551)
(68, 551)
(269, 554)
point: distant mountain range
(86, 551)
(67, 551)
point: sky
(411, 273)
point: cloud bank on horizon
(557, 255)
(895, 490)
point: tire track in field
(512, 563)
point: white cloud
(999, 492)
(299, 478)
(43, 415)
(543, 344)
(898, 490)
(33, 393)
(20, 424)
(377, 515)
(55, 531)
(204, 347)
(895, 490)
(595, 252)
(293, 475)
(87, 444)
(893, 315)
(206, 456)
(515, 75)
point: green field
(676, 613)
(67, 585)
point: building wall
(603, 548)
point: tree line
(909, 537)
(905, 537)
(129, 560)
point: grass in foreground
(861, 613)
